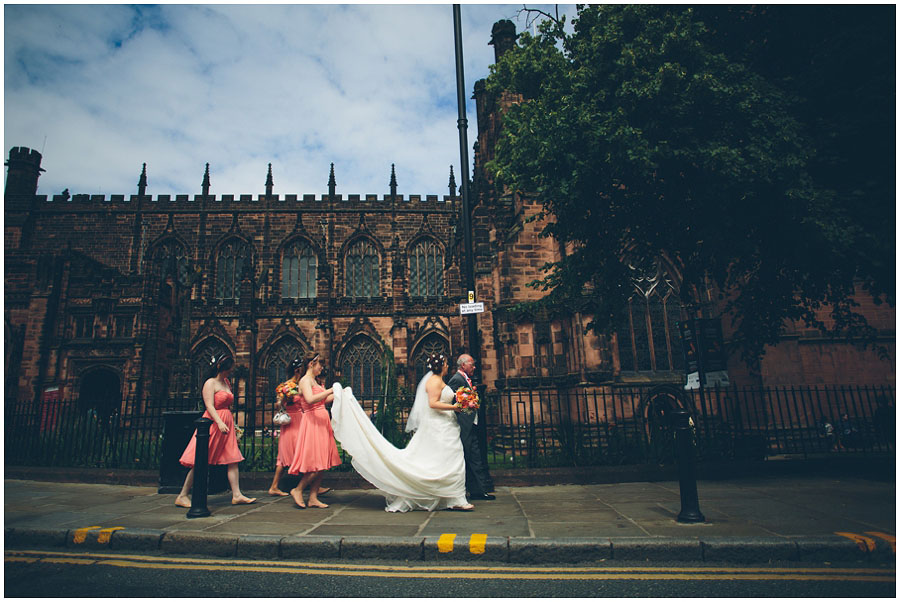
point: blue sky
(104, 88)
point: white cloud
(240, 86)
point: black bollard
(201, 470)
(687, 480)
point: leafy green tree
(642, 138)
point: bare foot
(316, 504)
(278, 492)
(324, 490)
(183, 501)
(243, 500)
(298, 497)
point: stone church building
(125, 297)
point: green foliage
(648, 134)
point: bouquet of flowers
(286, 392)
(467, 399)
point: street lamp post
(463, 125)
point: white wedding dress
(428, 474)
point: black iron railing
(542, 426)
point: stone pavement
(756, 519)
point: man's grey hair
(462, 359)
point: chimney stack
(503, 37)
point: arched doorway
(661, 401)
(100, 394)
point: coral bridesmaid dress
(223, 447)
(287, 440)
(315, 449)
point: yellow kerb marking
(81, 534)
(445, 543)
(866, 544)
(105, 534)
(476, 543)
(888, 538)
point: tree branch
(533, 12)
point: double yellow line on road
(455, 572)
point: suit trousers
(478, 480)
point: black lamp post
(463, 125)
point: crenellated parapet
(249, 202)
(24, 168)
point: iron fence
(542, 426)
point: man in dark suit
(478, 480)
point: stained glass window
(361, 272)
(673, 317)
(433, 343)
(170, 258)
(200, 366)
(298, 272)
(426, 270)
(648, 339)
(361, 368)
(278, 367)
(232, 261)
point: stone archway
(658, 407)
(100, 393)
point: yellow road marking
(536, 573)
(687, 573)
(445, 543)
(81, 534)
(888, 538)
(866, 544)
(69, 561)
(476, 543)
(12, 555)
(105, 534)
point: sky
(101, 89)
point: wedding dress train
(428, 474)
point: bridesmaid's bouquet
(467, 399)
(286, 392)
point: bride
(430, 472)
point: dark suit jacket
(465, 420)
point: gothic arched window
(298, 271)
(433, 343)
(361, 273)
(170, 258)
(232, 260)
(426, 269)
(361, 366)
(200, 365)
(278, 365)
(649, 339)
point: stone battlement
(247, 198)
(23, 153)
(232, 202)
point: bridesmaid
(287, 440)
(223, 447)
(315, 451)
